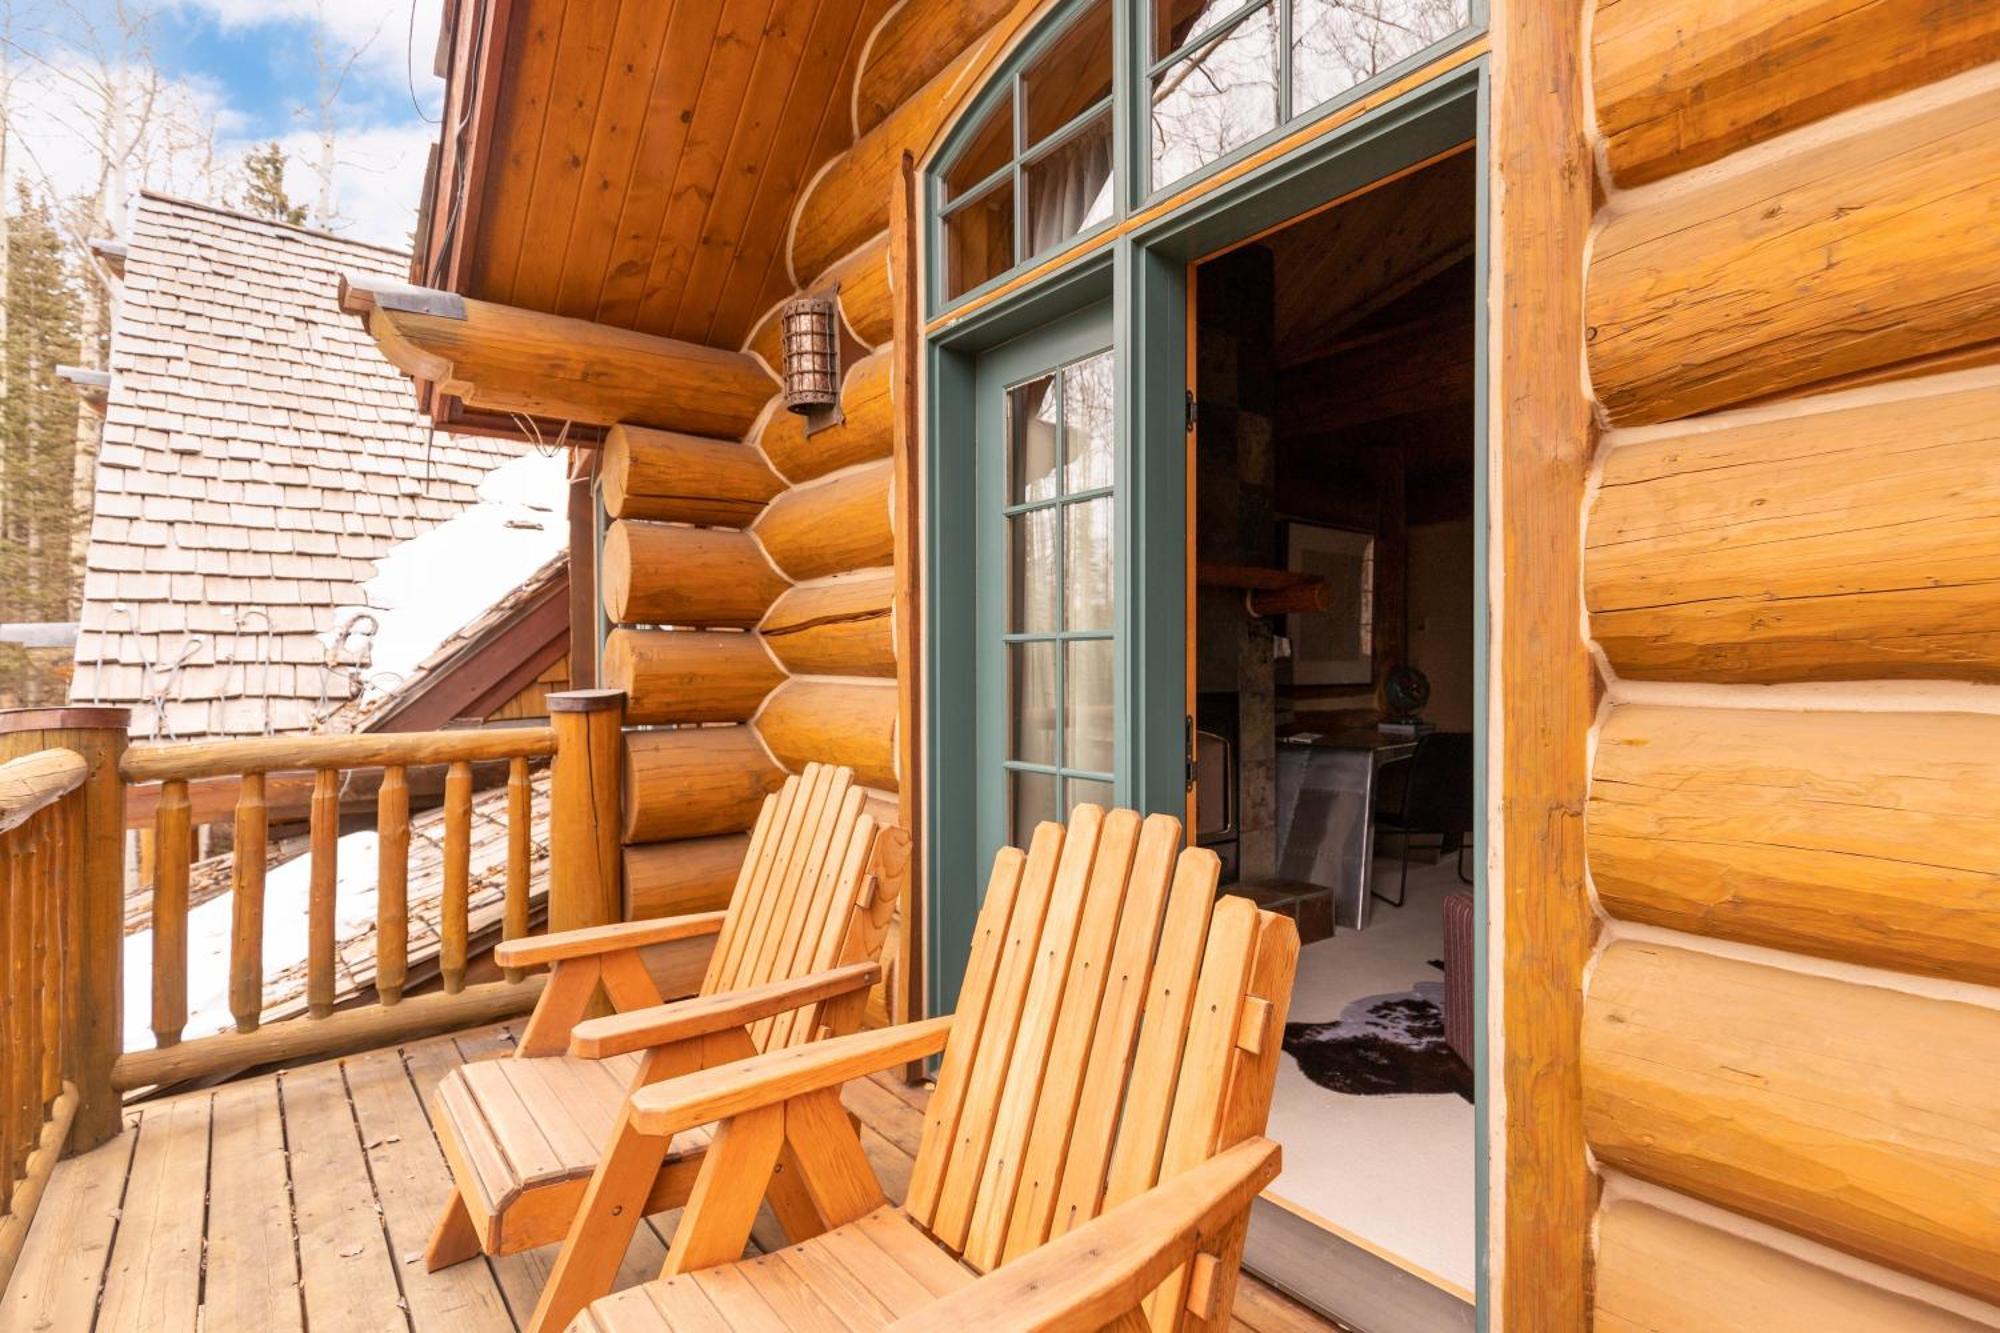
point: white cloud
(195, 140)
(397, 38)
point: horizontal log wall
(831, 526)
(862, 435)
(1858, 1116)
(1854, 541)
(1872, 249)
(689, 675)
(673, 878)
(1682, 85)
(840, 626)
(1805, 328)
(1862, 836)
(694, 782)
(837, 722)
(708, 578)
(1657, 1271)
(657, 474)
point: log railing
(389, 759)
(41, 849)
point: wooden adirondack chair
(1089, 1156)
(793, 958)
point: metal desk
(1326, 802)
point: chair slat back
(1117, 1025)
(812, 894)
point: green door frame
(1145, 273)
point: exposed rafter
(497, 358)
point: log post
(585, 883)
(93, 906)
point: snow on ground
(429, 587)
(287, 894)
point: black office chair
(1434, 798)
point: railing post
(93, 908)
(585, 810)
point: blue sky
(233, 73)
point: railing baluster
(11, 1020)
(246, 936)
(392, 884)
(38, 943)
(19, 1020)
(170, 907)
(520, 829)
(457, 874)
(325, 876)
(55, 861)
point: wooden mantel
(498, 358)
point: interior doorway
(1333, 669)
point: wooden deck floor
(302, 1201)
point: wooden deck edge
(343, 1033)
(28, 1194)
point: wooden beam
(850, 722)
(695, 782)
(502, 358)
(705, 578)
(675, 478)
(1681, 85)
(582, 583)
(1859, 836)
(1657, 1270)
(1851, 542)
(1841, 1111)
(832, 526)
(836, 627)
(1866, 251)
(689, 676)
(1544, 685)
(862, 435)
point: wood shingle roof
(258, 456)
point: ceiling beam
(497, 358)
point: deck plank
(252, 1265)
(61, 1270)
(411, 1183)
(154, 1278)
(118, 1221)
(350, 1278)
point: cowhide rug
(1383, 1046)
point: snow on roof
(259, 458)
(426, 588)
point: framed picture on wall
(1335, 646)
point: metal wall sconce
(809, 344)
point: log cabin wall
(794, 585)
(1791, 1032)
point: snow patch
(428, 588)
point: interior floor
(1395, 1171)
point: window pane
(1085, 791)
(1337, 44)
(1070, 188)
(1087, 424)
(1218, 99)
(1031, 799)
(1031, 441)
(979, 239)
(1031, 572)
(1178, 22)
(1031, 702)
(1087, 539)
(1070, 76)
(1089, 712)
(989, 149)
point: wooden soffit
(635, 163)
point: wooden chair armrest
(1107, 1266)
(641, 1029)
(590, 941)
(778, 1076)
